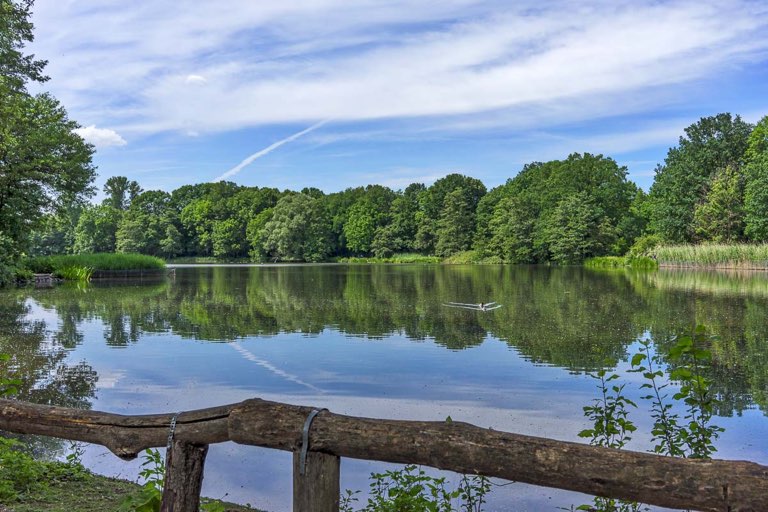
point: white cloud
(100, 137)
(195, 79)
(124, 64)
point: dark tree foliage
(432, 202)
(16, 68)
(44, 165)
(563, 210)
(708, 147)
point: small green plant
(611, 428)
(9, 385)
(472, 492)
(74, 273)
(410, 489)
(150, 496)
(691, 436)
(19, 472)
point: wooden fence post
(183, 477)
(317, 490)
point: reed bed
(395, 258)
(737, 256)
(641, 262)
(98, 261)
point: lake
(379, 341)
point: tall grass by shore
(738, 256)
(99, 261)
(641, 262)
(395, 258)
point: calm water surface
(378, 341)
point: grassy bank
(29, 485)
(714, 256)
(640, 262)
(81, 266)
(396, 258)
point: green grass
(87, 493)
(471, 257)
(202, 260)
(742, 256)
(396, 258)
(641, 262)
(99, 261)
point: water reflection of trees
(46, 375)
(41, 363)
(569, 317)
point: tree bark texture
(184, 467)
(125, 436)
(713, 485)
(318, 489)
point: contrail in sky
(248, 161)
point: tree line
(712, 186)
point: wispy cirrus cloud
(154, 66)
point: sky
(338, 93)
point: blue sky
(333, 93)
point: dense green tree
(720, 216)
(368, 214)
(432, 201)
(511, 228)
(145, 225)
(575, 229)
(96, 230)
(298, 230)
(530, 208)
(44, 165)
(756, 199)
(171, 245)
(456, 225)
(16, 30)
(120, 192)
(757, 144)
(255, 233)
(399, 233)
(484, 218)
(708, 146)
(56, 231)
(228, 238)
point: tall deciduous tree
(456, 225)
(720, 217)
(708, 146)
(121, 192)
(42, 160)
(298, 230)
(432, 201)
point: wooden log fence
(704, 485)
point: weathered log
(125, 436)
(715, 485)
(184, 465)
(318, 489)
